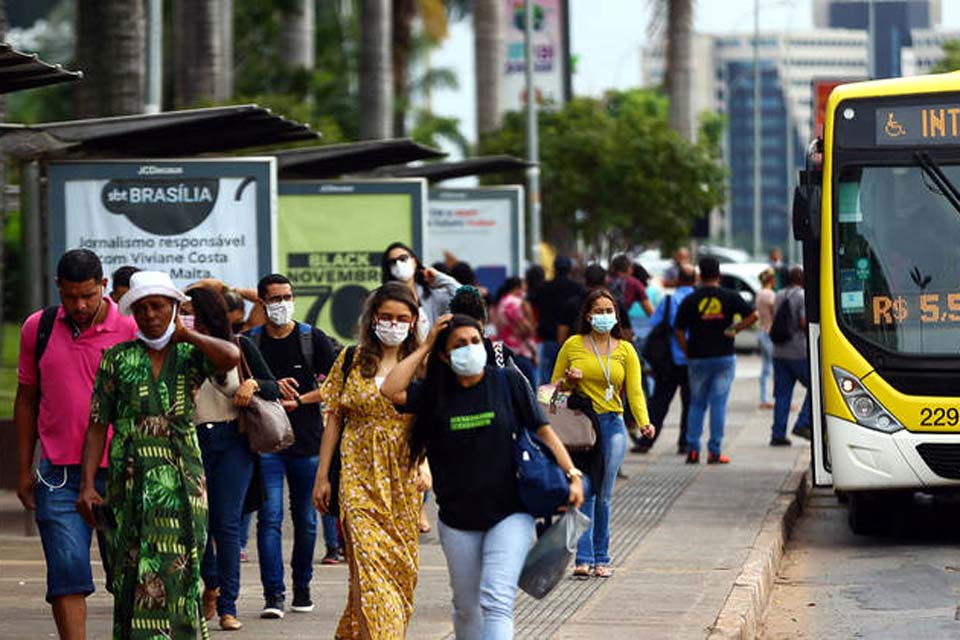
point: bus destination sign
(937, 124)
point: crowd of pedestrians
(142, 441)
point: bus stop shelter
(440, 171)
(333, 161)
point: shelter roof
(168, 134)
(438, 171)
(331, 161)
(20, 70)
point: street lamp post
(756, 132)
(533, 140)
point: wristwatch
(299, 401)
(573, 472)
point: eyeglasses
(386, 318)
(401, 258)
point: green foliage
(951, 58)
(430, 129)
(8, 369)
(613, 170)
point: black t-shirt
(549, 302)
(470, 448)
(285, 359)
(705, 314)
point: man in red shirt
(60, 352)
(625, 288)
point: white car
(744, 278)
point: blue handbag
(542, 486)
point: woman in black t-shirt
(464, 423)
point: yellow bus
(878, 211)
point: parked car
(744, 278)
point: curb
(742, 612)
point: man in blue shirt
(666, 382)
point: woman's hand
(649, 431)
(87, 498)
(573, 376)
(438, 326)
(424, 478)
(245, 393)
(575, 498)
(321, 494)
(429, 276)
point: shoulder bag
(542, 486)
(566, 414)
(265, 422)
(658, 348)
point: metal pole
(791, 159)
(871, 40)
(757, 142)
(32, 234)
(154, 57)
(533, 141)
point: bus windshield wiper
(940, 179)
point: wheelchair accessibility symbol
(893, 129)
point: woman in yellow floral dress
(379, 490)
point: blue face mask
(468, 360)
(603, 322)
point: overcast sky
(607, 36)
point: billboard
(483, 227)
(330, 240)
(548, 54)
(194, 219)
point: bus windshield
(898, 257)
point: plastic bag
(549, 558)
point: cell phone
(104, 517)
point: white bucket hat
(149, 283)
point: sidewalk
(680, 536)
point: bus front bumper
(866, 460)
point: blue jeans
(549, 349)
(228, 465)
(300, 472)
(330, 536)
(787, 372)
(766, 363)
(594, 545)
(484, 570)
(64, 534)
(710, 382)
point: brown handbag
(265, 422)
(574, 427)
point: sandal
(581, 571)
(603, 571)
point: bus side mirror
(806, 207)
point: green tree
(615, 173)
(951, 58)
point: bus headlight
(867, 411)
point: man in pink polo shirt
(53, 402)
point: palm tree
(488, 16)
(198, 55)
(376, 71)
(111, 52)
(297, 32)
(678, 71)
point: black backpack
(780, 331)
(658, 349)
(44, 330)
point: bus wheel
(864, 514)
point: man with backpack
(790, 359)
(297, 353)
(669, 362)
(60, 351)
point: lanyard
(606, 371)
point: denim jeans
(710, 382)
(300, 472)
(594, 545)
(663, 393)
(787, 372)
(228, 465)
(549, 349)
(331, 537)
(766, 363)
(64, 534)
(484, 570)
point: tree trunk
(376, 82)
(404, 11)
(679, 66)
(297, 32)
(3, 187)
(198, 53)
(226, 43)
(488, 44)
(111, 52)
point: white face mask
(280, 313)
(403, 270)
(158, 344)
(468, 360)
(392, 335)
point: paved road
(904, 583)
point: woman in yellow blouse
(601, 366)
(379, 488)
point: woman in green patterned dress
(156, 487)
